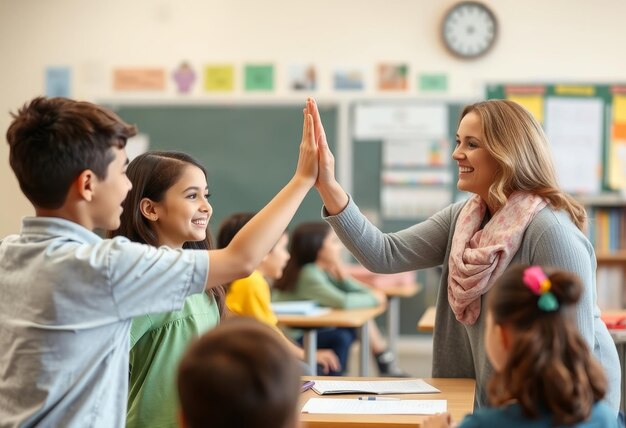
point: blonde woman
(517, 214)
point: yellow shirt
(251, 297)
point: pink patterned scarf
(478, 257)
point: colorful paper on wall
(616, 155)
(619, 109)
(433, 82)
(184, 77)
(349, 78)
(416, 152)
(302, 77)
(259, 77)
(219, 78)
(139, 79)
(58, 81)
(392, 77)
(532, 103)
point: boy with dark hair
(240, 374)
(68, 296)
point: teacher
(517, 214)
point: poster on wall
(416, 152)
(138, 79)
(411, 202)
(58, 82)
(402, 121)
(184, 77)
(349, 79)
(574, 128)
(219, 78)
(259, 77)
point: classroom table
(394, 293)
(350, 318)
(426, 322)
(458, 392)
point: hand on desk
(328, 360)
(440, 420)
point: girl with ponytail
(544, 372)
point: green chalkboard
(250, 152)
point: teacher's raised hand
(334, 197)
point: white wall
(540, 40)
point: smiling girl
(168, 205)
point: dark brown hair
(230, 226)
(239, 374)
(306, 241)
(549, 364)
(152, 174)
(53, 140)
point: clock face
(469, 29)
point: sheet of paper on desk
(346, 406)
(298, 307)
(414, 386)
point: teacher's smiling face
(477, 167)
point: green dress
(157, 343)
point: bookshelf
(607, 233)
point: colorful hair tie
(537, 281)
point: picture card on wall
(184, 77)
(392, 77)
(349, 78)
(219, 78)
(138, 79)
(302, 77)
(259, 77)
(58, 81)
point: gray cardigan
(551, 239)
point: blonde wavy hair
(519, 145)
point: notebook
(413, 386)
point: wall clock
(469, 29)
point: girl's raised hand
(307, 168)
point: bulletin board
(586, 128)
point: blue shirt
(67, 301)
(512, 416)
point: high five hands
(334, 197)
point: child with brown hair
(69, 296)
(239, 374)
(315, 272)
(545, 374)
(251, 296)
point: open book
(414, 386)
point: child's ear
(148, 209)
(84, 184)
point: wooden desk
(427, 321)
(395, 286)
(352, 318)
(394, 293)
(458, 392)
